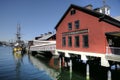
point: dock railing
(113, 50)
(43, 46)
(49, 47)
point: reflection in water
(18, 60)
(55, 67)
(109, 75)
(18, 57)
(87, 72)
(27, 67)
(41, 65)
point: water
(18, 67)
(29, 67)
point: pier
(44, 43)
(68, 59)
(77, 38)
(39, 46)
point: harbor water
(37, 67)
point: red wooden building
(88, 32)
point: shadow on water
(98, 72)
(115, 74)
(57, 71)
(78, 72)
(52, 67)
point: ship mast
(18, 34)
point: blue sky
(39, 16)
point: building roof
(101, 16)
(46, 36)
(117, 33)
(117, 17)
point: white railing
(37, 42)
(43, 46)
(113, 50)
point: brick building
(88, 32)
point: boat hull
(19, 50)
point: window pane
(69, 26)
(73, 12)
(69, 41)
(85, 41)
(77, 41)
(63, 41)
(77, 24)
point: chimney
(41, 35)
(45, 33)
(89, 7)
(49, 32)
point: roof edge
(101, 16)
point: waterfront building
(46, 37)
(90, 33)
(44, 43)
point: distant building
(117, 18)
(43, 37)
(89, 33)
(44, 43)
(46, 36)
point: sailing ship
(19, 45)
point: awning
(113, 33)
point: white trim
(104, 61)
(83, 53)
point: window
(85, 41)
(77, 24)
(73, 12)
(77, 41)
(69, 26)
(63, 41)
(69, 41)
